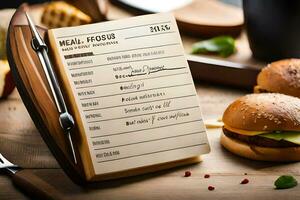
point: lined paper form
(134, 92)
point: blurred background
(16, 3)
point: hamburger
(264, 127)
(280, 77)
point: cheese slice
(293, 137)
(245, 132)
(213, 123)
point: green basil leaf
(222, 45)
(285, 181)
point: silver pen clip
(65, 118)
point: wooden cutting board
(201, 18)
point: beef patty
(259, 141)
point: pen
(65, 118)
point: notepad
(130, 89)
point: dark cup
(273, 28)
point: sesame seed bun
(280, 77)
(254, 152)
(264, 112)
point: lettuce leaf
(293, 137)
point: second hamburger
(282, 76)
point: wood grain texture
(19, 137)
(172, 186)
(9, 192)
(212, 72)
(226, 169)
(36, 95)
(197, 19)
(34, 186)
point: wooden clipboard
(35, 93)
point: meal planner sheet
(134, 91)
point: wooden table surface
(21, 143)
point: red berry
(187, 173)
(210, 188)
(245, 181)
(206, 176)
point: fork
(29, 182)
